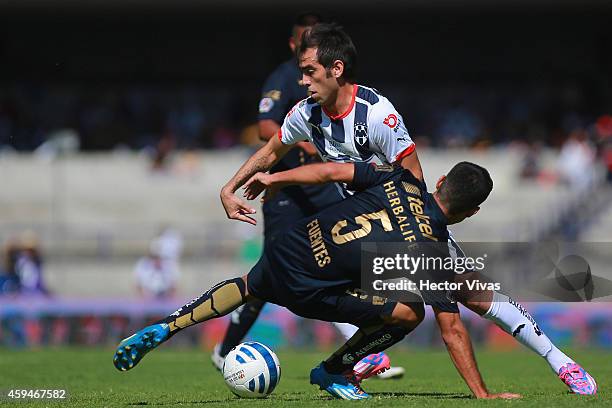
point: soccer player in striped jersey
(281, 91)
(345, 121)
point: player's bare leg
(514, 319)
(218, 301)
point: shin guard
(217, 301)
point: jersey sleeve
(295, 128)
(275, 97)
(371, 174)
(389, 132)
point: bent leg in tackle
(337, 376)
(218, 301)
(515, 320)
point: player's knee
(419, 310)
(408, 315)
(252, 308)
(477, 306)
(247, 295)
(474, 299)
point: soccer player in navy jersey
(318, 281)
(281, 91)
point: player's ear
(440, 182)
(337, 69)
(292, 44)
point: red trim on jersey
(346, 112)
(280, 135)
(406, 152)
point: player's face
(322, 85)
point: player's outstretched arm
(412, 163)
(459, 346)
(269, 128)
(318, 173)
(262, 160)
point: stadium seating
(106, 207)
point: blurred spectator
(164, 147)
(530, 166)
(576, 160)
(170, 244)
(157, 273)
(155, 278)
(29, 266)
(9, 280)
(23, 267)
(603, 128)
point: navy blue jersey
(324, 251)
(281, 91)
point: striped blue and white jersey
(371, 130)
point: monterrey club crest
(361, 133)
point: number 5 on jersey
(366, 226)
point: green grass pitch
(172, 377)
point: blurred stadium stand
(96, 213)
(460, 73)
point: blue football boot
(336, 384)
(131, 350)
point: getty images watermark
(546, 271)
(427, 268)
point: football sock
(511, 317)
(241, 322)
(367, 340)
(217, 301)
(346, 329)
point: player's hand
(502, 395)
(236, 209)
(257, 184)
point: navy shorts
(321, 302)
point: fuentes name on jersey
(319, 251)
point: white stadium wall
(95, 214)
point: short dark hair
(307, 19)
(332, 44)
(466, 186)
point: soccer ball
(251, 370)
